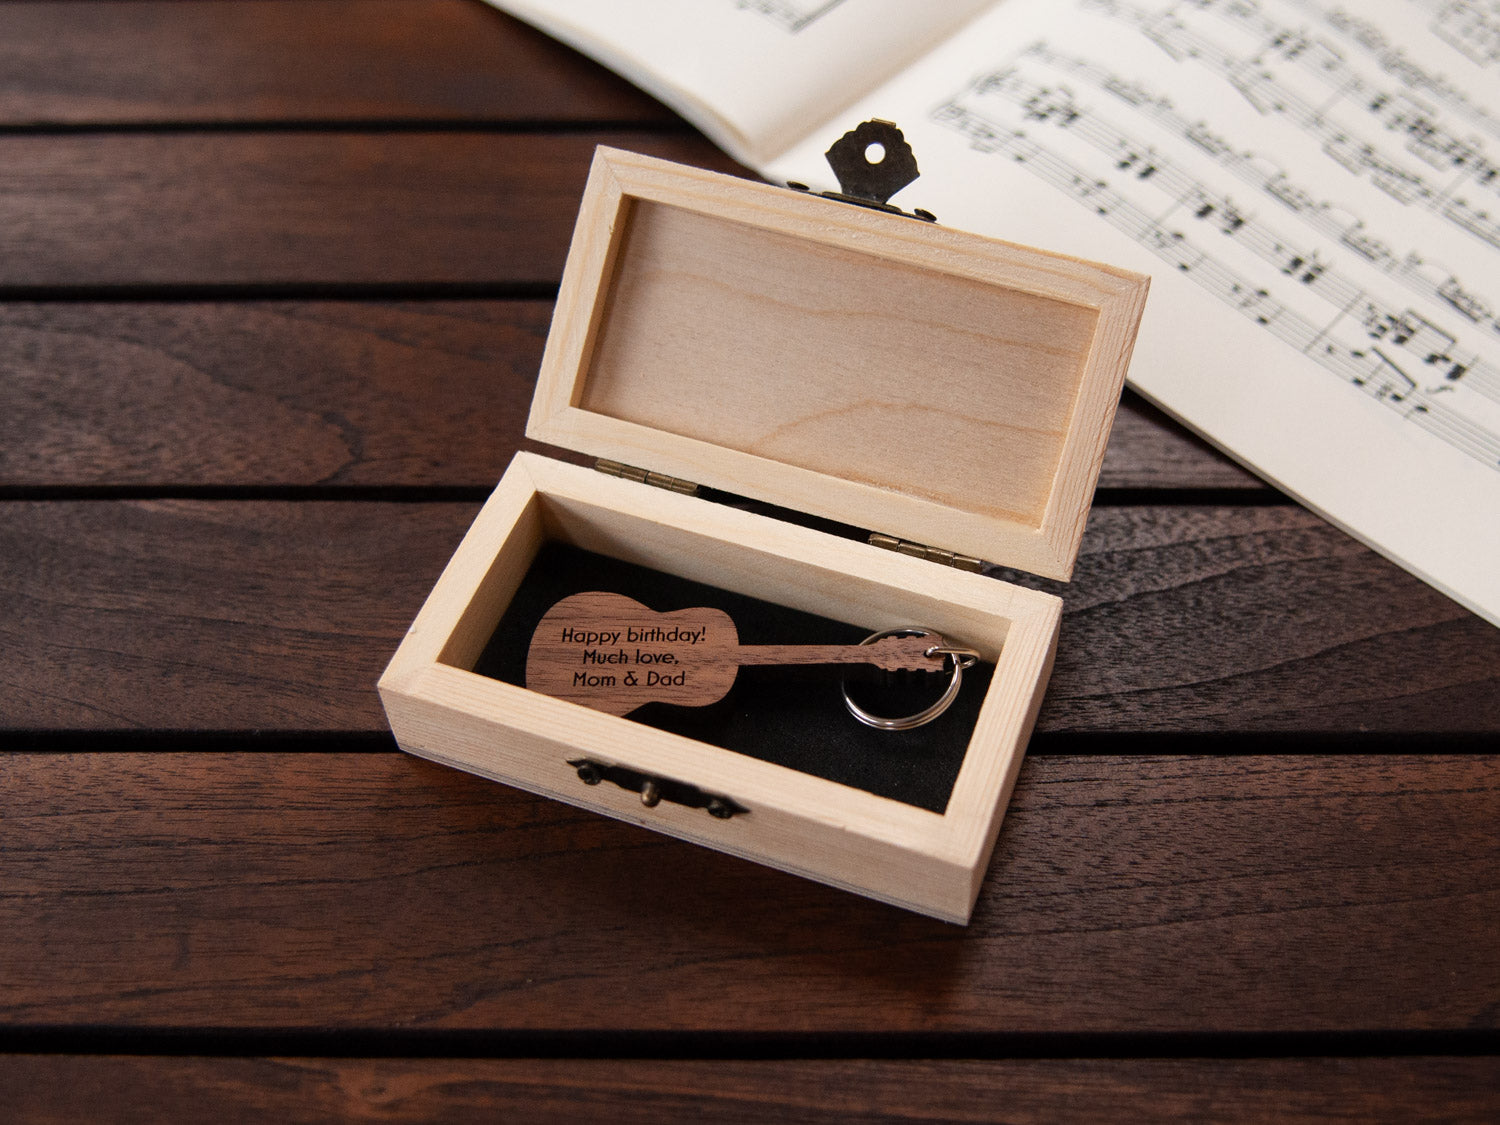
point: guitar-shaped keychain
(612, 653)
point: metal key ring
(962, 658)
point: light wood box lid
(884, 372)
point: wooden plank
(280, 616)
(301, 208)
(1131, 894)
(1174, 621)
(233, 616)
(266, 393)
(332, 392)
(124, 1088)
(1149, 450)
(94, 62)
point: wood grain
(280, 616)
(91, 62)
(1282, 623)
(151, 148)
(267, 393)
(258, 393)
(763, 340)
(1149, 450)
(361, 891)
(582, 644)
(278, 209)
(840, 833)
(69, 1088)
(211, 615)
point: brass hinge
(643, 476)
(931, 554)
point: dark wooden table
(275, 277)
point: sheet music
(793, 15)
(1317, 196)
(1469, 26)
(755, 75)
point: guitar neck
(893, 654)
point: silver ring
(962, 658)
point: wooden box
(921, 383)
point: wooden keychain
(612, 653)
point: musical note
(1366, 245)
(1327, 64)
(1281, 188)
(1171, 35)
(1470, 305)
(790, 15)
(1425, 137)
(1198, 133)
(1307, 270)
(1257, 304)
(1055, 105)
(1474, 220)
(1397, 355)
(1315, 272)
(1387, 382)
(1408, 329)
(1142, 164)
(1467, 27)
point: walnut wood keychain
(612, 653)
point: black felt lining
(794, 717)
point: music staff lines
(1356, 155)
(788, 14)
(1055, 105)
(1326, 62)
(1369, 367)
(1468, 28)
(1423, 278)
(1427, 279)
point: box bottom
(794, 717)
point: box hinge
(922, 551)
(644, 476)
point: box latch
(654, 790)
(872, 162)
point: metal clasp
(872, 162)
(654, 790)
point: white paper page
(755, 75)
(1317, 198)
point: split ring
(962, 658)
